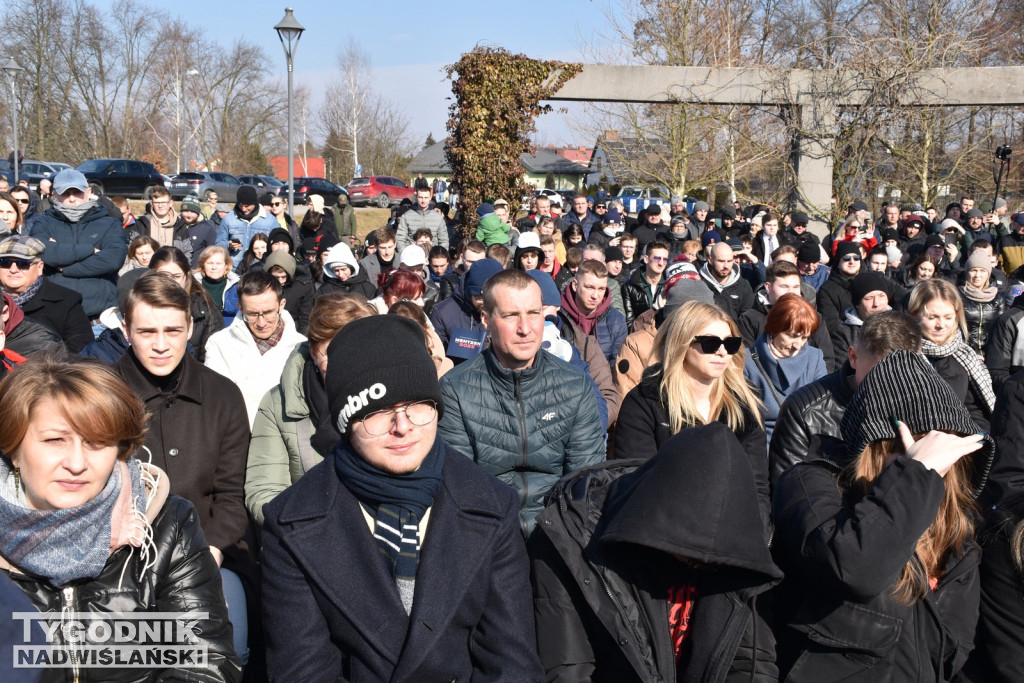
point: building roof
(432, 161)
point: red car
(382, 190)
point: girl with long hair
(880, 548)
(937, 305)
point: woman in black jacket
(880, 553)
(983, 303)
(105, 535)
(652, 571)
(940, 310)
(697, 380)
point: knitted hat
(355, 390)
(681, 267)
(949, 224)
(676, 199)
(890, 234)
(484, 209)
(979, 259)
(865, 283)
(413, 256)
(281, 259)
(1000, 202)
(246, 195)
(809, 252)
(701, 206)
(684, 290)
(903, 386)
(893, 254)
(549, 294)
(934, 241)
(613, 254)
(316, 203)
(975, 213)
(844, 248)
(799, 218)
(613, 216)
(727, 212)
(479, 273)
(279, 235)
(709, 237)
(913, 219)
(191, 204)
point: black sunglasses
(711, 344)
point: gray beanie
(685, 290)
(979, 259)
(701, 206)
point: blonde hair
(730, 393)
(209, 251)
(948, 534)
(926, 291)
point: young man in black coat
(652, 571)
(352, 570)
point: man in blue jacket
(395, 559)
(523, 415)
(248, 218)
(85, 247)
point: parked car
(382, 190)
(124, 177)
(636, 198)
(34, 171)
(264, 183)
(199, 183)
(306, 186)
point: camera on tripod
(1003, 152)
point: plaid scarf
(264, 345)
(977, 372)
(33, 288)
(398, 503)
(68, 544)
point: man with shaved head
(722, 276)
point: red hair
(791, 313)
(396, 285)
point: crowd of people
(569, 444)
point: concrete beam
(975, 86)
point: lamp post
(289, 31)
(13, 70)
(177, 116)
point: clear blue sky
(409, 43)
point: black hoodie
(604, 556)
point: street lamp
(177, 115)
(289, 31)
(13, 70)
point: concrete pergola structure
(816, 96)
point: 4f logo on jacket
(547, 417)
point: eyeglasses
(22, 264)
(851, 257)
(711, 344)
(381, 422)
(268, 316)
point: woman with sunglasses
(852, 230)
(697, 379)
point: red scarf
(586, 321)
(681, 600)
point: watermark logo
(100, 640)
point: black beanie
(809, 252)
(934, 241)
(844, 248)
(280, 235)
(865, 283)
(904, 386)
(357, 385)
(246, 195)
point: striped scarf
(977, 372)
(69, 544)
(24, 297)
(398, 503)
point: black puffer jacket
(980, 318)
(28, 337)
(811, 415)
(634, 295)
(603, 567)
(845, 554)
(183, 578)
(206, 320)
